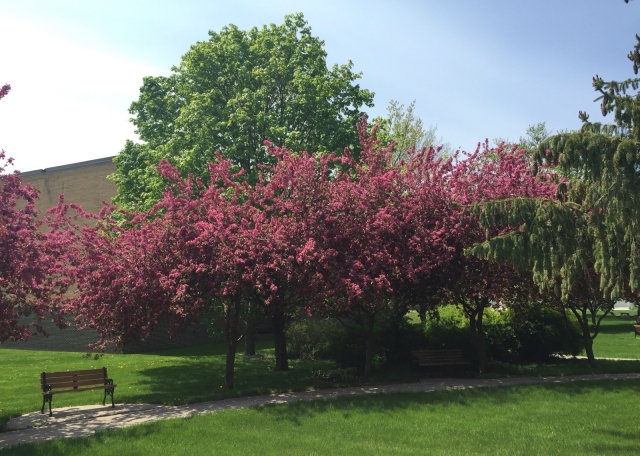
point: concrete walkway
(71, 422)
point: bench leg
(108, 391)
(47, 398)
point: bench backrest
(73, 379)
(437, 355)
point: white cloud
(68, 102)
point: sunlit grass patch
(574, 418)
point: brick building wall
(84, 183)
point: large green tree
(230, 94)
(588, 238)
(407, 131)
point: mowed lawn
(171, 377)
(616, 338)
(599, 418)
(580, 418)
(196, 374)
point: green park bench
(437, 358)
(75, 382)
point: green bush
(337, 375)
(449, 329)
(530, 335)
(309, 338)
(542, 332)
(346, 349)
(394, 338)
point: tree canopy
(231, 93)
(582, 245)
(327, 235)
(31, 273)
(407, 131)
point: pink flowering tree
(354, 230)
(323, 234)
(191, 253)
(31, 279)
(285, 274)
(475, 284)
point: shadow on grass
(198, 380)
(438, 400)
(201, 378)
(628, 443)
(384, 405)
(84, 445)
(214, 349)
(562, 367)
(617, 325)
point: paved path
(81, 421)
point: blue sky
(477, 69)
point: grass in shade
(196, 374)
(616, 338)
(580, 418)
(172, 377)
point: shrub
(543, 332)
(449, 329)
(500, 336)
(528, 335)
(337, 375)
(394, 340)
(309, 338)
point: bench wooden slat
(71, 384)
(445, 363)
(82, 389)
(438, 350)
(78, 372)
(62, 378)
(438, 357)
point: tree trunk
(230, 365)
(422, 313)
(280, 342)
(583, 320)
(368, 357)
(232, 311)
(250, 333)
(478, 336)
(588, 342)
(250, 340)
(588, 348)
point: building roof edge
(53, 169)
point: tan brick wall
(83, 183)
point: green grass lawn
(616, 338)
(171, 377)
(578, 418)
(197, 374)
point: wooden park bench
(637, 329)
(75, 382)
(434, 358)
